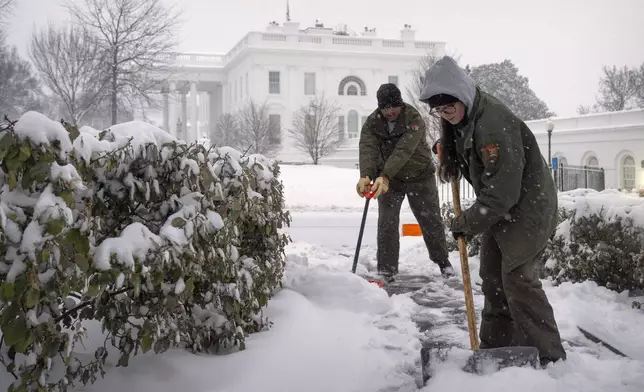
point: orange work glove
(363, 185)
(380, 186)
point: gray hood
(446, 77)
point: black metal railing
(570, 177)
(445, 191)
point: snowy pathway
(333, 331)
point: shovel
(368, 195)
(482, 360)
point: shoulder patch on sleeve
(490, 153)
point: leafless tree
(414, 90)
(315, 128)
(639, 84)
(583, 109)
(19, 88)
(227, 132)
(256, 132)
(6, 7)
(137, 37)
(68, 60)
(618, 88)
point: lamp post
(550, 126)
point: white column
(194, 114)
(211, 116)
(184, 116)
(205, 115)
(216, 109)
(166, 111)
(173, 112)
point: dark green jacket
(402, 154)
(516, 198)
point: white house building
(285, 66)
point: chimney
(273, 26)
(291, 27)
(407, 34)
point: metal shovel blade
(493, 359)
(482, 361)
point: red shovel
(368, 195)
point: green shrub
(164, 244)
(601, 239)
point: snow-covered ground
(335, 332)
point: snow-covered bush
(165, 244)
(447, 212)
(601, 239)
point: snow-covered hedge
(165, 244)
(601, 238)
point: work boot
(386, 276)
(446, 269)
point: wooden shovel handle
(465, 268)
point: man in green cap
(394, 153)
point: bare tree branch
(6, 9)
(136, 36)
(256, 131)
(617, 88)
(640, 86)
(414, 90)
(68, 60)
(227, 132)
(315, 128)
(19, 88)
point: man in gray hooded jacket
(515, 210)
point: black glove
(458, 228)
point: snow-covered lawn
(335, 332)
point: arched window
(352, 81)
(352, 124)
(592, 161)
(352, 90)
(628, 173)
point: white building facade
(612, 141)
(285, 67)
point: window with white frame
(340, 127)
(359, 86)
(273, 82)
(393, 79)
(275, 125)
(561, 161)
(592, 161)
(352, 124)
(628, 173)
(309, 83)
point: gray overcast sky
(560, 45)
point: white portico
(284, 67)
